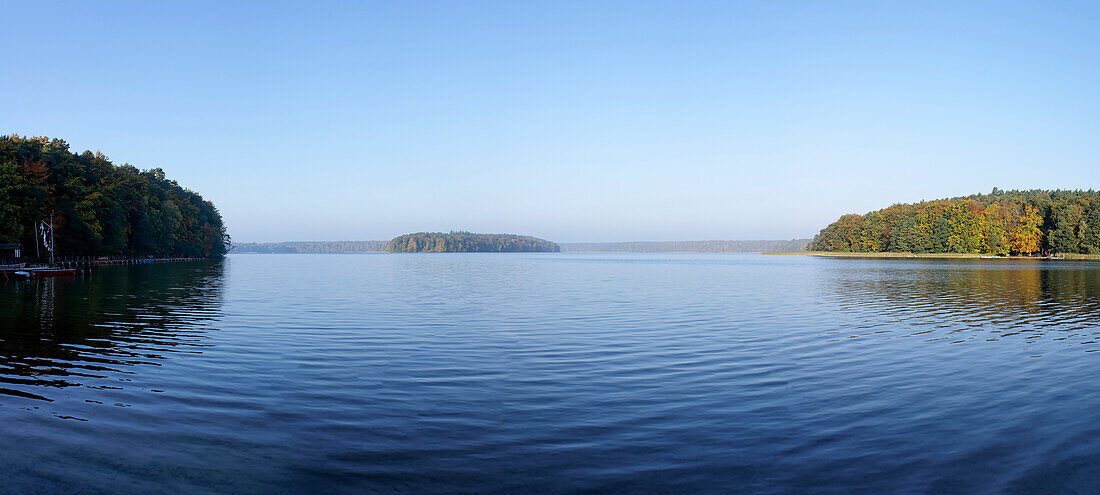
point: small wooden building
(10, 252)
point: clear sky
(573, 121)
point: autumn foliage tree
(98, 208)
(999, 223)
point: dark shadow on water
(77, 331)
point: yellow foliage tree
(1027, 238)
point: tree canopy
(998, 223)
(467, 242)
(98, 208)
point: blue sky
(573, 121)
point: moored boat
(47, 272)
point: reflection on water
(554, 372)
(966, 300)
(91, 332)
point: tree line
(98, 208)
(999, 223)
(687, 246)
(328, 247)
(311, 247)
(468, 242)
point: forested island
(468, 242)
(793, 245)
(999, 223)
(98, 208)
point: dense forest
(311, 247)
(467, 242)
(98, 208)
(687, 246)
(999, 223)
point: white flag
(46, 237)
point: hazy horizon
(520, 233)
(568, 121)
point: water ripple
(545, 373)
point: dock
(84, 265)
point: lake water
(537, 373)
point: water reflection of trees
(66, 332)
(1057, 299)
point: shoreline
(883, 255)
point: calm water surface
(534, 373)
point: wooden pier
(84, 265)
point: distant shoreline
(460, 241)
(837, 254)
(714, 246)
(711, 246)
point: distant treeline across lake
(687, 246)
(758, 246)
(469, 242)
(311, 247)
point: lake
(552, 373)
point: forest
(467, 242)
(999, 223)
(98, 208)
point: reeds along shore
(841, 254)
